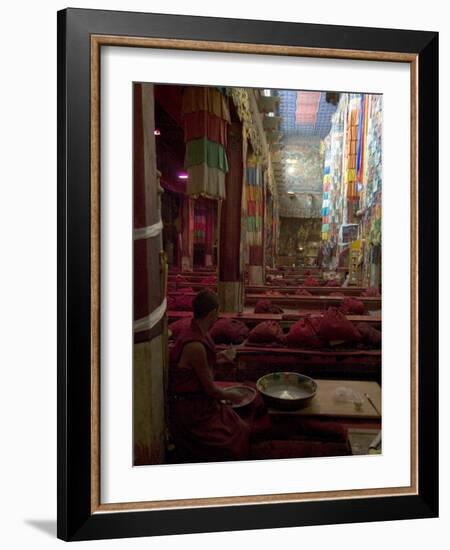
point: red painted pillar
(209, 232)
(148, 288)
(230, 285)
(146, 210)
(187, 234)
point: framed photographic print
(247, 254)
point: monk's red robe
(203, 428)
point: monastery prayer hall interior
(256, 274)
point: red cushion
(267, 332)
(183, 303)
(311, 281)
(336, 326)
(332, 282)
(371, 292)
(370, 335)
(185, 290)
(177, 326)
(302, 334)
(265, 306)
(209, 280)
(228, 331)
(352, 306)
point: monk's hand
(226, 355)
(229, 354)
(233, 397)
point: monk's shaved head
(205, 302)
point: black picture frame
(76, 521)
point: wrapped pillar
(206, 117)
(187, 234)
(255, 214)
(209, 232)
(148, 289)
(231, 284)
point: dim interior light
(183, 176)
(157, 132)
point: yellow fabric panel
(205, 181)
(201, 98)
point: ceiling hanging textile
(254, 203)
(362, 129)
(200, 124)
(352, 148)
(206, 117)
(200, 212)
(307, 107)
(326, 188)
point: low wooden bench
(316, 290)
(312, 302)
(254, 361)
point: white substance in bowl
(288, 392)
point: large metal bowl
(287, 390)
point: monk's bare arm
(194, 354)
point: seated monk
(203, 425)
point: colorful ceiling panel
(305, 114)
(307, 107)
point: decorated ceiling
(305, 120)
(305, 113)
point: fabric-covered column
(255, 208)
(209, 231)
(148, 291)
(353, 140)
(187, 234)
(147, 216)
(231, 279)
(200, 213)
(206, 117)
(269, 228)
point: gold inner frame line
(97, 41)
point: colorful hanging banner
(203, 151)
(205, 181)
(202, 124)
(202, 98)
(307, 107)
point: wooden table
(325, 406)
(360, 440)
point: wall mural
(303, 178)
(300, 239)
